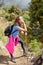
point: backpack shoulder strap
(12, 29)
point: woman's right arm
(23, 29)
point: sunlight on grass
(2, 37)
(35, 46)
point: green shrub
(35, 46)
(2, 37)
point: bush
(35, 46)
(2, 37)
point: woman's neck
(16, 24)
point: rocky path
(18, 54)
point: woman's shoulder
(16, 26)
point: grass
(2, 36)
(36, 46)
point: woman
(17, 26)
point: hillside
(5, 58)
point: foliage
(2, 37)
(12, 12)
(36, 18)
(36, 7)
(35, 46)
(34, 26)
(25, 15)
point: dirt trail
(18, 54)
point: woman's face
(21, 20)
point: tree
(36, 17)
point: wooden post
(26, 47)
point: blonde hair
(17, 20)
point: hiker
(14, 38)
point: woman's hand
(22, 32)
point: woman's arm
(23, 29)
(25, 26)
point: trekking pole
(26, 47)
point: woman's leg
(11, 53)
(22, 45)
(12, 58)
